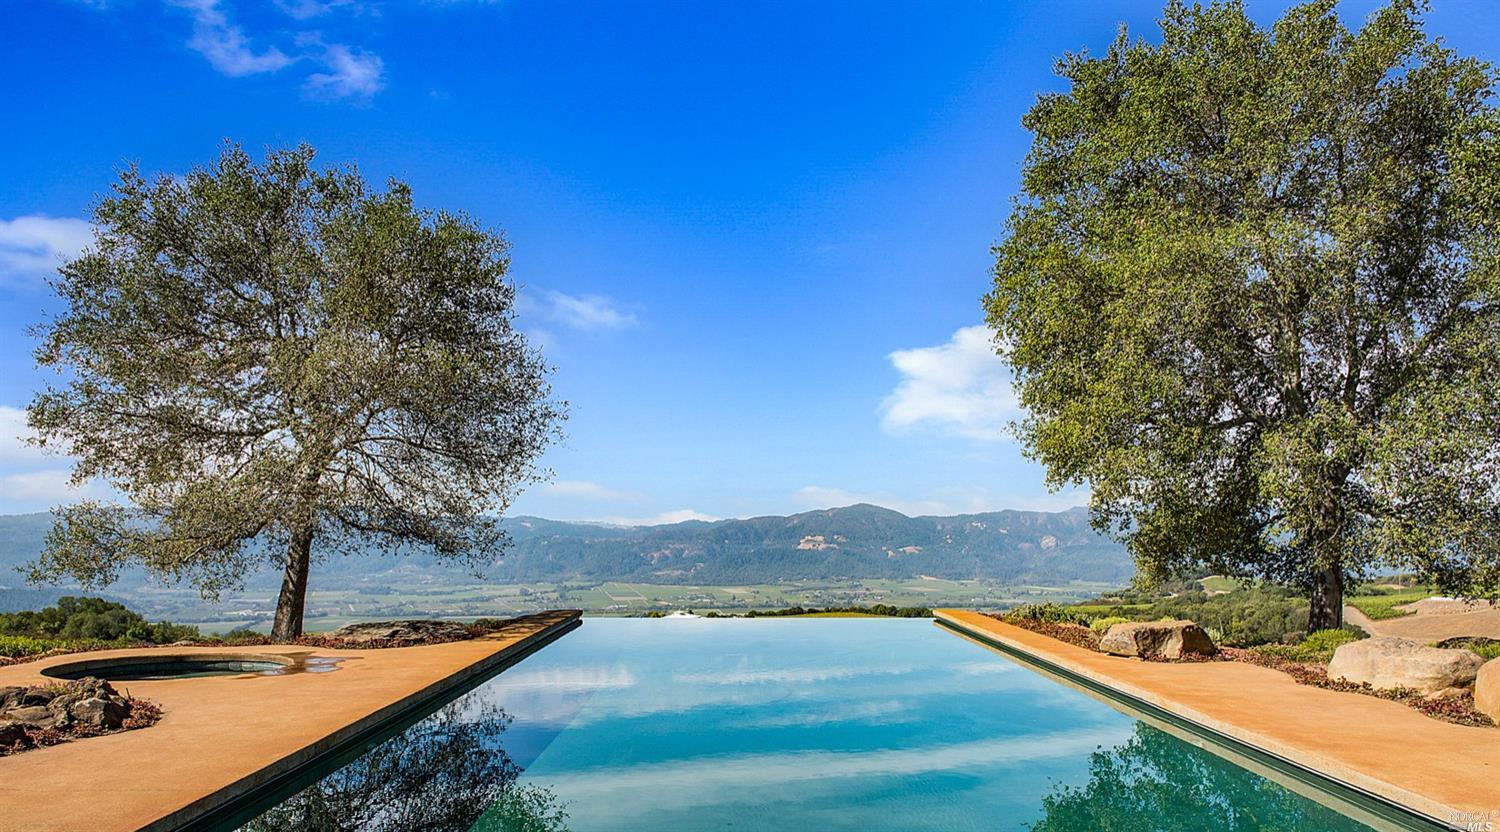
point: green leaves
(1244, 264)
(256, 349)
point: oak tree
(1251, 296)
(273, 360)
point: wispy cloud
(308, 9)
(32, 478)
(346, 71)
(35, 244)
(681, 515)
(42, 489)
(945, 502)
(818, 496)
(589, 490)
(960, 388)
(225, 45)
(13, 435)
(584, 312)
(710, 779)
(352, 73)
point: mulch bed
(1458, 710)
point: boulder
(401, 632)
(1390, 662)
(1487, 690)
(34, 716)
(99, 713)
(1157, 639)
(13, 734)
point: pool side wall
(1378, 792)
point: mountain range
(853, 542)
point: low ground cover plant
(1317, 647)
(1380, 604)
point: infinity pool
(803, 724)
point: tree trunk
(1327, 609)
(288, 624)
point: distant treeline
(885, 610)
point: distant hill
(854, 542)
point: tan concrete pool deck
(1450, 773)
(221, 737)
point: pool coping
(377, 692)
(1109, 677)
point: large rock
(1157, 640)
(401, 632)
(1487, 690)
(34, 716)
(13, 735)
(1390, 662)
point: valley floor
(328, 609)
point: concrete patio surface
(221, 737)
(1450, 773)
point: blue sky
(751, 237)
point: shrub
(1487, 651)
(1318, 647)
(1050, 613)
(1102, 625)
(1326, 641)
(92, 619)
(1384, 606)
(1258, 614)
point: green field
(1383, 605)
(329, 609)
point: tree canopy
(258, 356)
(1251, 296)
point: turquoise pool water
(808, 724)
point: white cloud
(306, 9)
(588, 490)
(587, 312)
(48, 487)
(817, 497)
(225, 45)
(13, 435)
(348, 72)
(961, 388)
(36, 244)
(681, 515)
(635, 789)
(948, 501)
(352, 73)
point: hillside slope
(860, 541)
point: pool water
(801, 724)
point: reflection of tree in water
(1157, 783)
(447, 773)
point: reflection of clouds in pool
(566, 694)
(648, 787)
(887, 712)
(786, 675)
(565, 679)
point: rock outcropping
(1157, 640)
(83, 707)
(1390, 662)
(398, 633)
